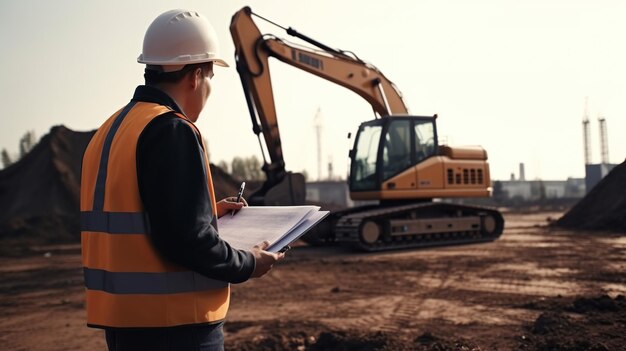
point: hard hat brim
(180, 63)
(221, 62)
(169, 66)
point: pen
(239, 194)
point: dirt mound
(40, 194)
(551, 322)
(581, 324)
(602, 303)
(604, 207)
(225, 185)
(280, 336)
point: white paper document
(280, 225)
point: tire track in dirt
(414, 302)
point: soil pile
(586, 323)
(604, 207)
(278, 336)
(40, 194)
(225, 185)
(564, 324)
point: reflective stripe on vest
(148, 283)
(113, 222)
(128, 284)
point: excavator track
(418, 225)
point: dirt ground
(536, 288)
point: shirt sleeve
(173, 187)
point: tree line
(27, 143)
(240, 168)
(243, 168)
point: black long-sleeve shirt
(173, 188)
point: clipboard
(279, 225)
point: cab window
(397, 149)
(424, 140)
(363, 172)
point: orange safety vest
(128, 283)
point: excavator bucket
(290, 191)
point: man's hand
(229, 205)
(264, 260)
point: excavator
(396, 159)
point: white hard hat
(179, 37)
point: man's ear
(195, 78)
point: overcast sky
(511, 76)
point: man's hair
(154, 75)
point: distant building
(522, 172)
(516, 188)
(529, 190)
(575, 187)
(332, 192)
(595, 172)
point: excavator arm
(252, 52)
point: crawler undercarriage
(378, 228)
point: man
(156, 272)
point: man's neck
(174, 91)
